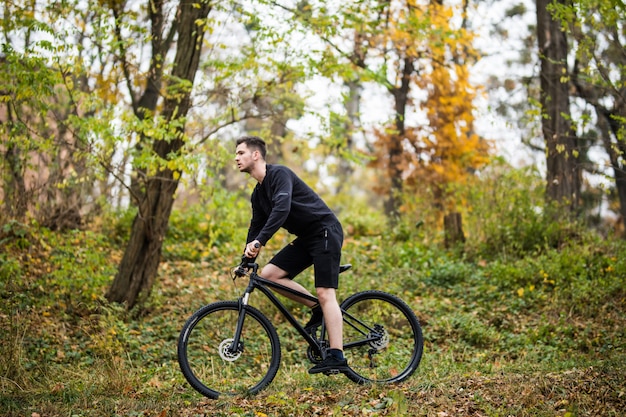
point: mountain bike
(232, 348)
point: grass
(541, 335)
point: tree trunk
(353, 111)
(395, 152)
(138, 269)
(620, 185)
(610, 125)
(563, 173)
(15, 194)
(14, 186)
(453, 230)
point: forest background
(122, 212)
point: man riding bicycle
(282, 199)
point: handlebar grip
(245, 261)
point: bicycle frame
(264, 285)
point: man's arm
(256, 223)
(281, 188)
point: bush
(505, 214)
(49, 286)
(117, 224)
(219, 223)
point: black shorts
(322, 250)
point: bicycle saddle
(343, 268)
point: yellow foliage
(446, 150)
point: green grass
(535, 335)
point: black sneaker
(330, 365)
(316, 319)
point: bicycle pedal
(333, 372)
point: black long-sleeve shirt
(284, 200)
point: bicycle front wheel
(210, 362)
(383, 340)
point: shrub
(218, 223)
(505, 214)
(116, 224)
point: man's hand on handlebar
(250, 253)
(252, 249)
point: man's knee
(326, 295)
(273, 273)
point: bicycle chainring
(226, 353)
(313, 356)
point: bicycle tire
(394, 356)
(210, 368)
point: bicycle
(232, 348)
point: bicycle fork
(236, 346)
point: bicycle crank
(227, 353)
(316, 355)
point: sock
(316, 311)
(336, 353)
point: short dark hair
(253, 142)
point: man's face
(245, 158)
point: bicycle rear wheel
(383, 340)
(210, 365)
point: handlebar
(246, 263)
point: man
(282, 199)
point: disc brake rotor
(226, 353)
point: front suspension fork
(236, 346)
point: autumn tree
(413, 51)
(447, 150)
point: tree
(48, 173)
(406, 48)
(596, 29)
(590, 77)
(238, 81)
(563, 176)
(125, 110)
(139, 265)
(447, 150)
